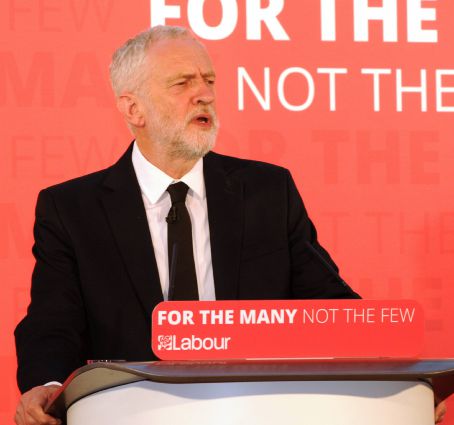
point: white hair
(128, 66)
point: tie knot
(178, 192)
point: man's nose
(204, 93)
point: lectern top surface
(99, 376)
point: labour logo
(165, 342)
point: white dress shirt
(153, 184)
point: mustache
(208, 110)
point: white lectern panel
(258, 403)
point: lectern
(259, 392)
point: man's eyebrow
(209, 74)
(190, 76)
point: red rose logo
(165, 342)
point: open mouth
(202, 119)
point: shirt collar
(153, 182)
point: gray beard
(181, 143)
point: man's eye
(211, 82)
(180, 83)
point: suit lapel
(122, 200)
(225, 217)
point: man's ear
(131, 108)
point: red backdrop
(374, 165)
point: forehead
(168, 57)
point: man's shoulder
(83, 184)
(90, 184)
(241, 166)
(71, 198)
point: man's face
(179, 98)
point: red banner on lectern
(209, 330)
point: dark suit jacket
(96, 282)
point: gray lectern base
(258, 403)
(331, 392)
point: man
(104, 242)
